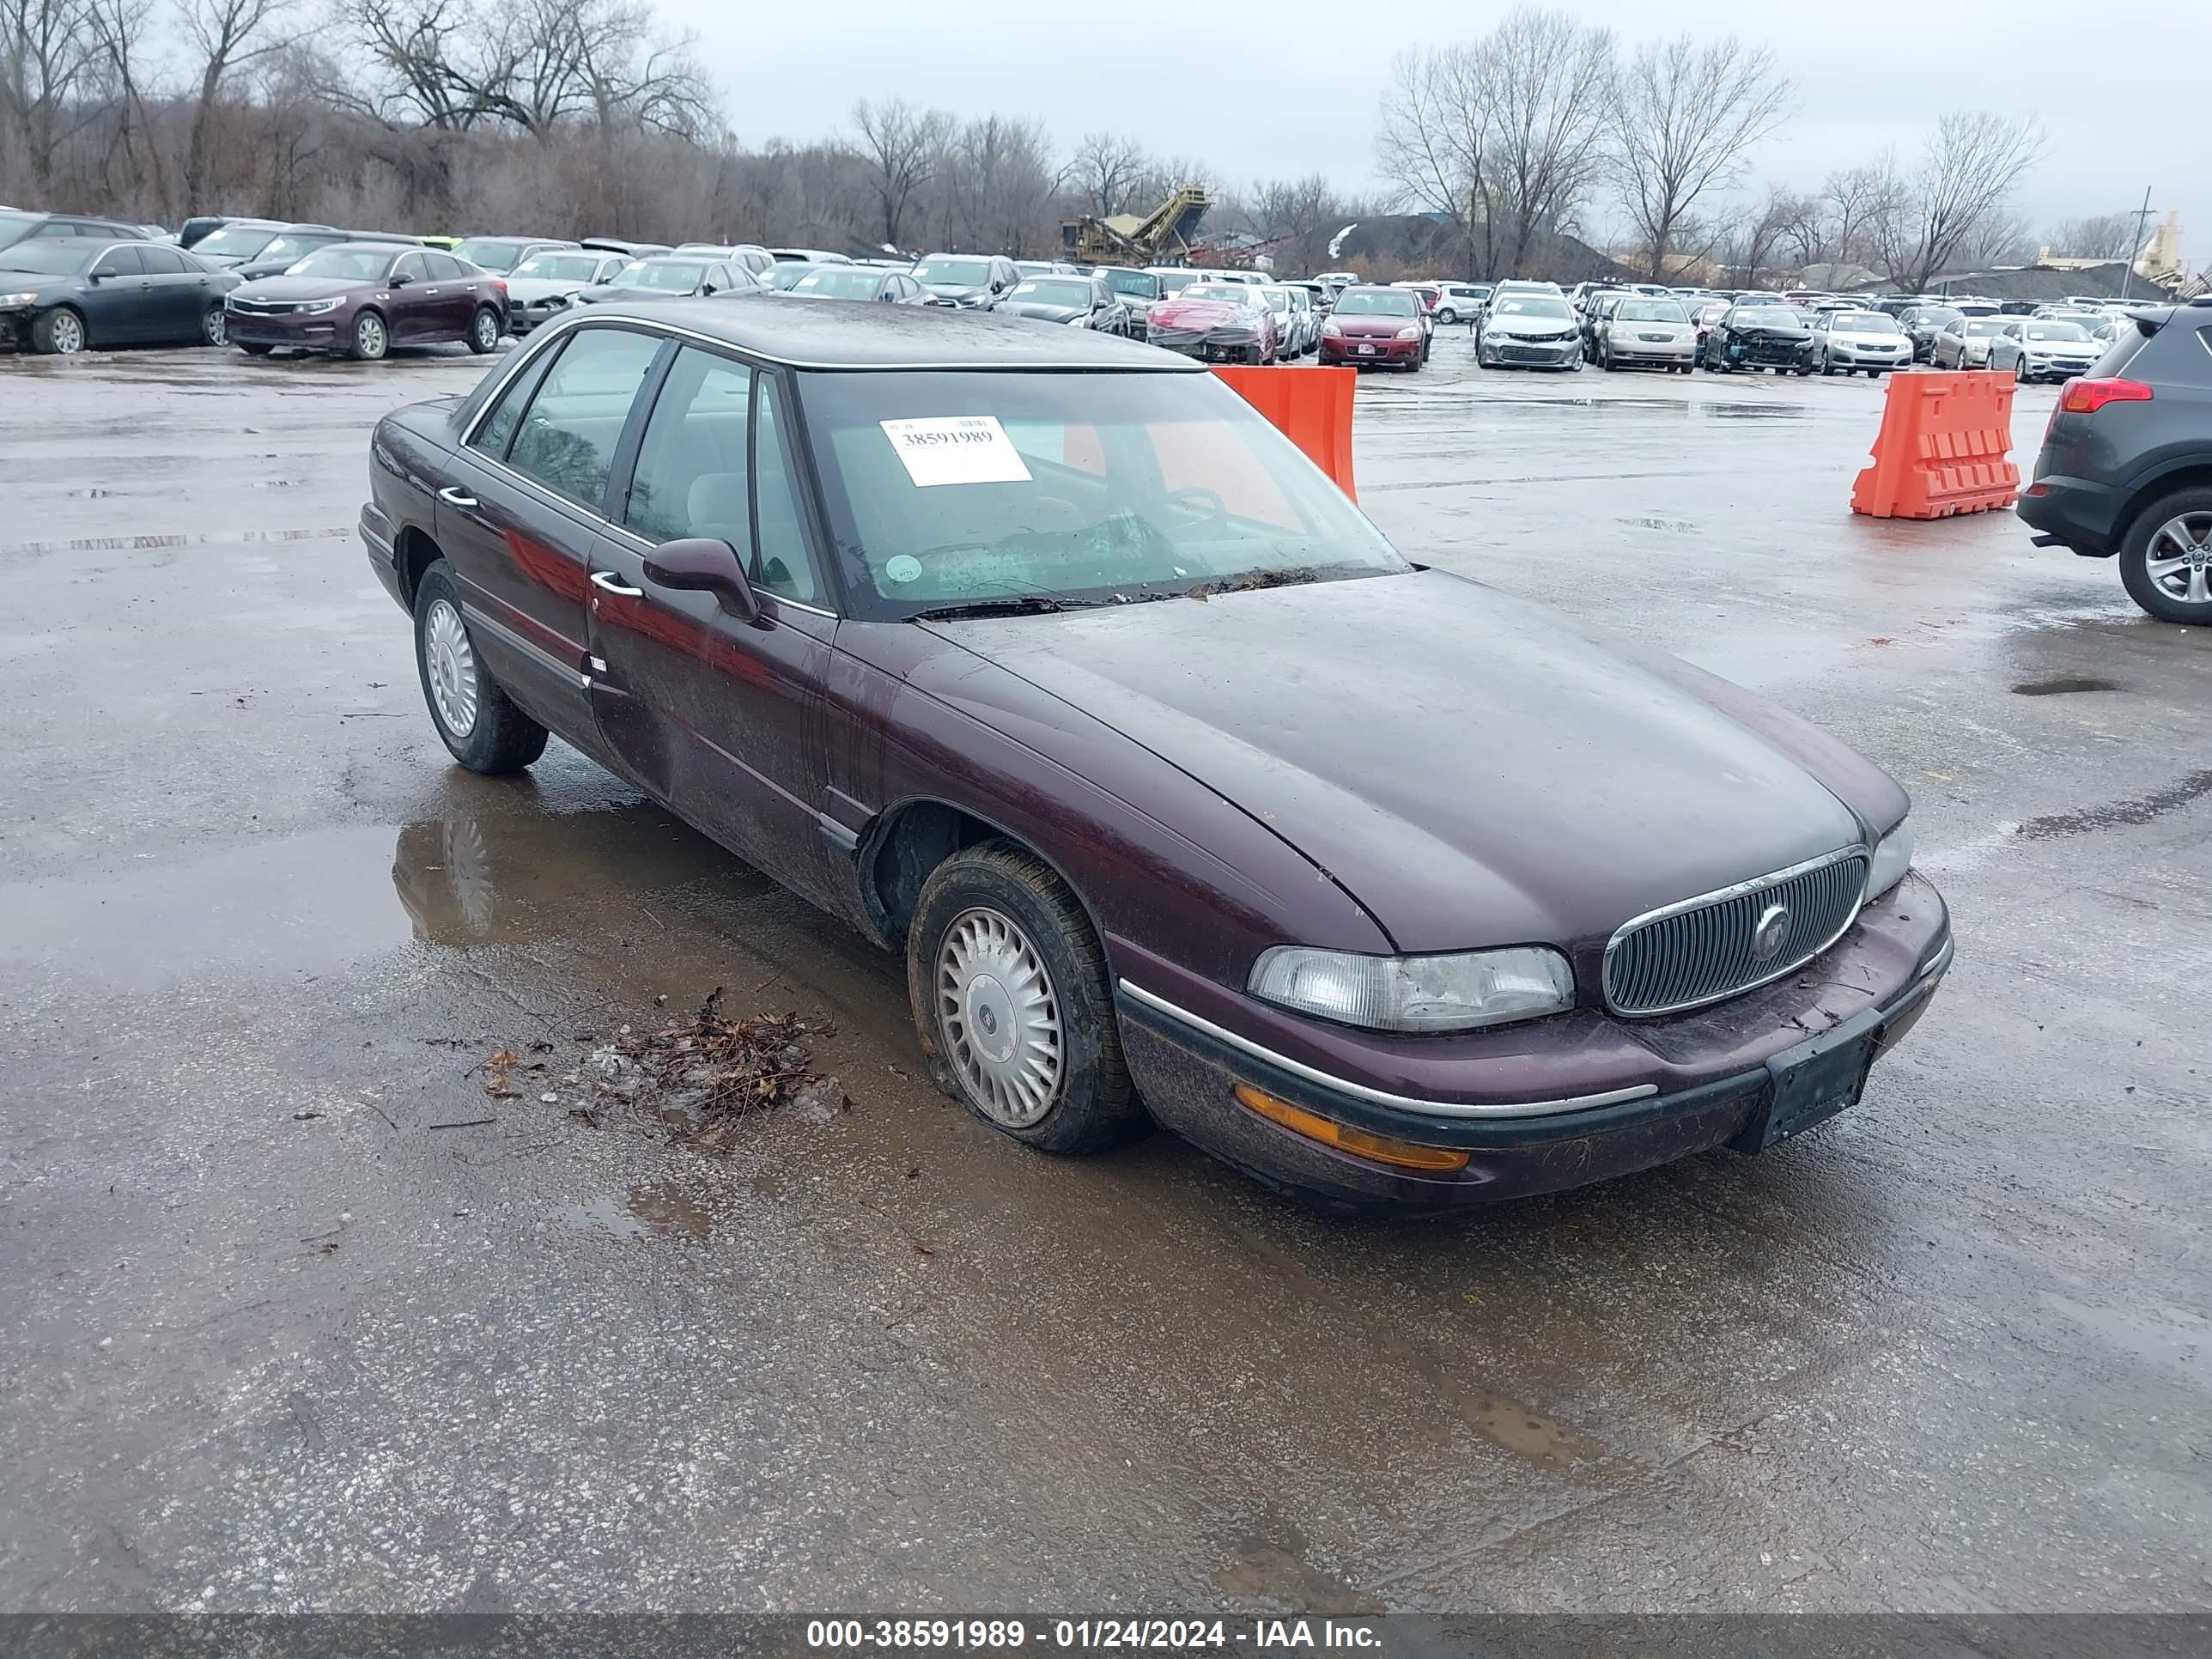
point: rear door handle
(453, 497)
(607, 581)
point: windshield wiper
(1005, 605)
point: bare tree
(1105, 173)
(118, 30)
(1854, 203)
(46, 57)
(2107, 236)
(1297, 217)
(1432, 145)
(1550, 80)
(1968, 170)
(225, 37)
(1751, 248)
(1686, 117)
(903, 148)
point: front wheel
(370, 340)
(2165, 561)
(480, 725)
(483, 331)
(60, 333)
(1013, 1003)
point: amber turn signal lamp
(1377, 1149)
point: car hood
(35, 282)
(1772, 332)
(300, 288)
(528, 289)
(1359, 324)
(611, 292)
(1465, 766)
(1199, 314)
(1042, 311)
(1542, 328)
(958, 290)
(1867, 337)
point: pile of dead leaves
(705, 1077)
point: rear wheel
(214, 327)
(1013, 1003)
(483, 331)
(479, 723)
(2165, 561)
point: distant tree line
(560, 117)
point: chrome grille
(1702, 950)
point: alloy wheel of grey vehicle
(1013, 1004)
(480, 726)
(2166, 562)
(214, 327)
(60, 332)
(370, 339)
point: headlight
(317, 307)
(1455, 992)
(1413, 333)
(1332, 328)
(16, 301)
(1892, 859)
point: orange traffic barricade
(1941, 448)
(1311, 407)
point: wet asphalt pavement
(272, 1337)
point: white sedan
(1849, 342)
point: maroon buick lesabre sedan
(1042, 657)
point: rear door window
(163, 261)
(566, 441)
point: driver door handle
(607, 581)
(453, 497)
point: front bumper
(316, 331)
(2046, 368)
(1354, 349)
(1504, 351)
(523, 316)
(1844, 357)
(1650, 351)
(1665, 1088)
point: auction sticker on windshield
(956, 449)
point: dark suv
(2126, 464)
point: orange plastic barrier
(1941, 448)
(1311, 407)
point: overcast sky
(2121, 97)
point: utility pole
(2128, 270)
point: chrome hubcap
(451, 668)
(487, 330)
(2178, 557)
(1000, 1017)
(372, 336)
(68, 334)
(218, 328)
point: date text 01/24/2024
(1293, 1634)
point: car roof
(892, 336)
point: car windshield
(1864, 322)
(839, 282)
(948, 489)
(2058, 331)
(665, 276)
(1376, 302)
(1979, 326)
(236, 241)
(557, 267)
(287, 248)
(1139, 284)
(1278, 299)
(1937, 316)
(45, 258)
(1767, 317)
(491, 253)
(1651, 311)
(1174, 282)
(955, 273)
(351, 264)
(1530, 304)
(1062, 292)
(790, 273)
(1235, 294)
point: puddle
(1755, 411)
(644, 1212)
(2061, 688)
(305, 903)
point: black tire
(60, 331)
(370, 339)
(254, 348)
(483, 331)
(1605, 359)
(2135, 557)
(500, 737)
(1827, 366)
(214, 327)
(1092, 1104)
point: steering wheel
(1201, 495)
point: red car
(1219, 322)
(1377, 327)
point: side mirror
(700, 564)
(399, 279)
